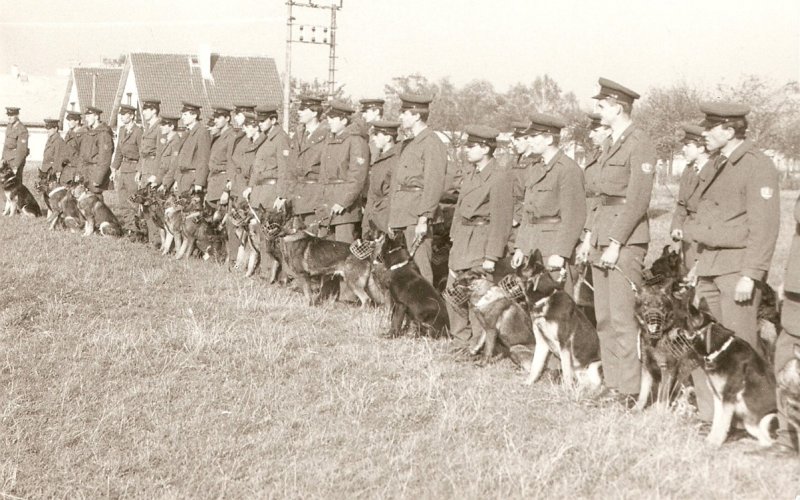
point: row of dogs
(526, 316)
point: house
(205, 79)
(90, 86)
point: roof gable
(104, 88)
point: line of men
(727, 217)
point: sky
(639, 43)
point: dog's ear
(666, 251)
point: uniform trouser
(147, 166)
(784, 352)
(125, 185)
(718, 292)
(617, 328)
(464, 325)
(422, 257)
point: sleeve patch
(647, 168)
(767, 193)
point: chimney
(204, 61)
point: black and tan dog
(560, 327)
(503, 319)
(245, 223)
(174, 205)
(96, 214)
(63, 207)
(150, 203)
(199, 232)
(307, 256)
(741, 382)
(18, 197)
(412, 297)
(269, 239)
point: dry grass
(124, 374)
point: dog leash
(617, 268)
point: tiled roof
(104, 92)
(173, 78)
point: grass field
(125, 374)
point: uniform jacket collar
(394, 150)
(541, 169)
(478, 179)
(318, 135)
(740, 151)
(338, 139)
(273, 132)
(261, 139)
(631, 130)
(422, 135)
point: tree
(662, 112)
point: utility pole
(308, 34)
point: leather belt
(267, 182)
(150, 156)
(592, 194)
(609, 200)
(307, 181)
(475, 221)
(335, 181)
(217, 172)
(409, 189)
(130, 160)
(188, 170)
(555, 219)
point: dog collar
(712, 356)
(399, 265)
(59, 188)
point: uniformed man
(167, 153)
(694, 151)
(371, 111)
(598, 135)
(72, 140)
(342, 173)
(554, 202)
(419, 181)
(192, 172)
(15, 147)
(621, 234)
(219, 159)
(383, 137)
(302, 186)
(239, 111)
(242, 145)
(519, 172)
(151, 138)
(56, 153)
(125, 167)
(786, 445)
(481, 222)
(96, 151)
(735, 227)
(268, 172)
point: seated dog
(741, 382)
(789, 389)
(308, 256)
(198, 232)
(501, 317)
(174, 205)
(560, 327)
(18, 197)
(272, 222)
(62, 208)
(96, 213)
(151, 208)
(412, 296)
(244, 221)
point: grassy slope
(126, 374)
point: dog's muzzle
(654, 320)
(511, 287)
(362, 249)
(273, 230)
(456, 296)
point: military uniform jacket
(591, 174)
(242, 157)
(482, 219)
(380, 180)
(738, 214)
(148, 148)
(15, 147)
(55, 154)
(305, 155)
(219, 163)
(128, 144)
(519, 174)
(343, 174)
(418, 180)
(625, 171)
(553, 192)
(688, 196)
(72, 140)
(791, 279)
(194, 152)
(267, 175)
(167, 158)
(97, 149)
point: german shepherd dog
(96, 213)
(741, 382)
(174, 205)
(272, 222)
(412, 296)
(307, 256)
(151, 206)
(502, 318)
(789, 389)
(62, 207)
(244, 220)
(199, 232)
(18, 197)
(560, 327)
